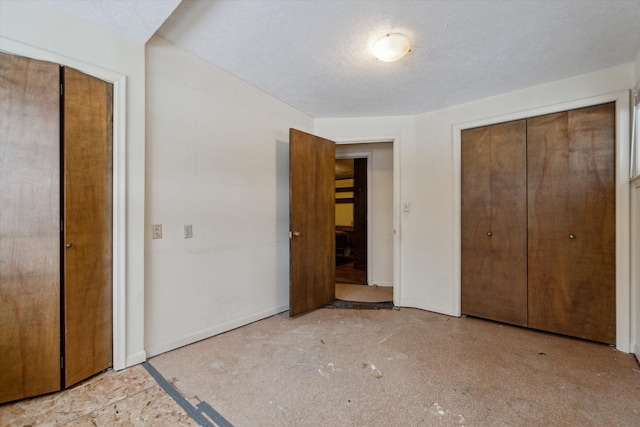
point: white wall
(380, 213)
(34, 29)
(218, 158)
(635, 246)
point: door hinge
(61, 362)
(61, 225)
(61, 89)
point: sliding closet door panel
(571, 162)
(476, 223)
(509, 221)
(29, 227)
(88, 225)
(494, 222)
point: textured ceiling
(135, 19)
(314, 55)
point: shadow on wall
(282, 218)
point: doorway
(312, 246)
(351, 220)
(364, 212)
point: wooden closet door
(87, 225)
(571, 162)
(29, 227)
(494, 223)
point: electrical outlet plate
(188, 231)
(156, 231)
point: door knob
(69, 245)
(571, 236)
(489, 234)
(296, 234)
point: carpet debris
(376, 371)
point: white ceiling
(314, 55)
(135, 19)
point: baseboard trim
(136, 358)
(427, 307)
(381, 284)
(215, 330)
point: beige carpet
(403, 367)
(363, 293)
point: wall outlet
(188, 231)
(156, 231)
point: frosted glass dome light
(391, 47)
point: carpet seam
(195, 413)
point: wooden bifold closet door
(494, 223)
(571, 163)
(29, 227)
(55, 227)
(555, 270)
(87, 310)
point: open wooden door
(312, 222)
(87, 291)
(29, 227)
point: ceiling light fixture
(391, 47)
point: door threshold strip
(358, 305)
(202, 413)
